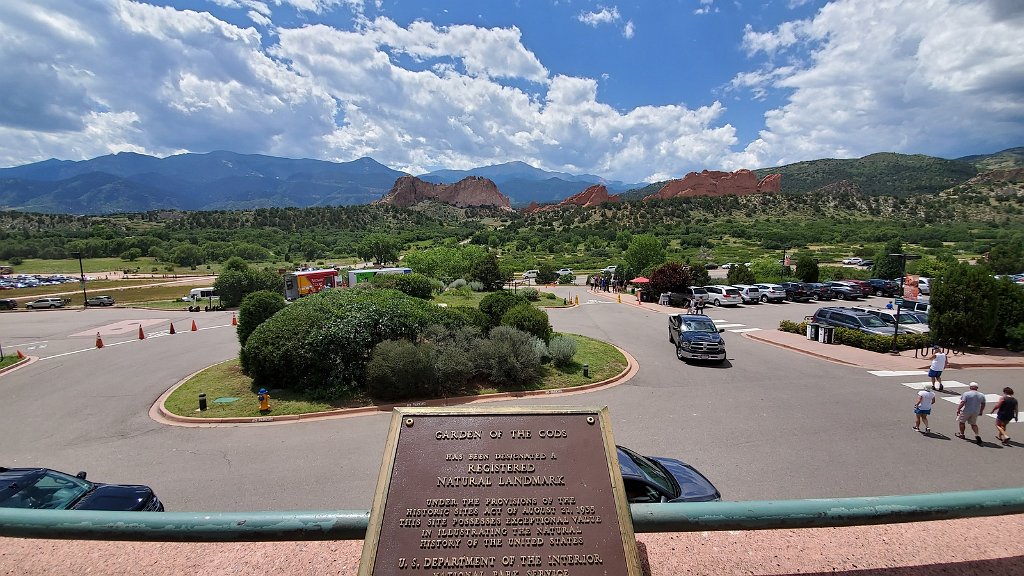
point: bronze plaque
(500, 492)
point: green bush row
(858, 339)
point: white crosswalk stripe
(898, 372)
(990, 399)
(739, 328)
(742, 330)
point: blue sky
(639, 91)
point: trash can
(826, 334)
(812, 330)
(665, 299)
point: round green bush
(529, 319)
(400, 370)
(511, 358)
(497, 303)
(530, 294)
(562, 350)
(413, 284)
(321, 343)
(255, 309)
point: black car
(654, 479)
(696, 337)
(8, 304)
(45, 489)
(854, 320)
(887, 288)
(867, 264)
(796, 291)
(844, 290)
(820, 291)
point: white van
(530, 274)
(196, 294)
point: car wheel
(764, 298)
(679, 353)
(841, 296)
(789, 297)
(717, 303)
(53, 306)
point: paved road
(768, 424)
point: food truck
(306, 282)
(364, 275)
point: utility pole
(81, 271)
(899, 299)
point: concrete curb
(23, 362)
(751, 335)
(159, 412)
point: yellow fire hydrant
(264, 398)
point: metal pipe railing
(351, 524)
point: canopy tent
(639, 280)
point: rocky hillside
(468, 192)
(593, 196)
(715, 183)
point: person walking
(938, 365)
(972, 405)
(1005, 409)
(922, 408)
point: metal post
(899, 299)
(202, 401)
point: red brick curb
(160, 413)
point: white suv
(45, 303)
(564, 272)
(530, 274)
(750, 294)
(771, 292)
(721, 295)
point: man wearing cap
(972, 405)
(938, 365)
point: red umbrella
(639, 280)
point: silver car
(749, 293)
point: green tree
(740, 274)
(644, 252)
(496, 304)
(529, 319)
(487, 271)
(255, 309)
(807, 268)
(546, 273)
(379, 248)
(886, 266)
(131, 254)
(964, 306)
(1007, 257)
(233, 285)
(188, 255)
(235, 263)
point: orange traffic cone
(142, 335)
(194, 326)
(172, 327)
(20, 355)
(99, 341)
(234, 321)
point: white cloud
(907, 77)
(706, 7)
(602, 16)
(629, 30)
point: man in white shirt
(938, 365)
(972, 405)
(922, 408)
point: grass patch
(9, 359)
(225, 380)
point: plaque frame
(368, 558)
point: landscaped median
(231, 396)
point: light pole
(899, 299)
(81, 271)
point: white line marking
(155, 335)
(898, 372)
(945, 384)
(728, 325)
(741, 330)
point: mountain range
(130, 182)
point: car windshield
(908, 318)
(732, 292)
(699, 326)
(699, 291)
(49, 490)
(653, 471)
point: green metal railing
(351, 524)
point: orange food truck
(306, 282)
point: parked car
(689, 294)
(916, 306)
(48, 302)
(854, 320)
(887, 288)
(655, 479)
(854, 260)
(820, 291)
(610, 269)
(696, 337)
(908, 322)
(924, 285)
(711, 266)
(728, 266)
(722, 295)
(796, 291)
(866, 289)
(530, 274)
(867, 263)
(45, 489)
(771, 292)
(844, 290)
(99, 301)
(8, 304)
(564, 272)
(749, 293)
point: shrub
(531, 294)
(541, 349)
(233, 285)
(476, 286)
(497, 303)
(567, 279)
(550, 295)
(456, 356)
(456, 284)
(416, 285)
(321, 343)
(562, 350)
(472, 317)
(512, 358)
(255, 309)
(529, 319)
(400, 370)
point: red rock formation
(470, 191)
(715, 183)
(592, 196)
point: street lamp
(81, 271)
(899, 300)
